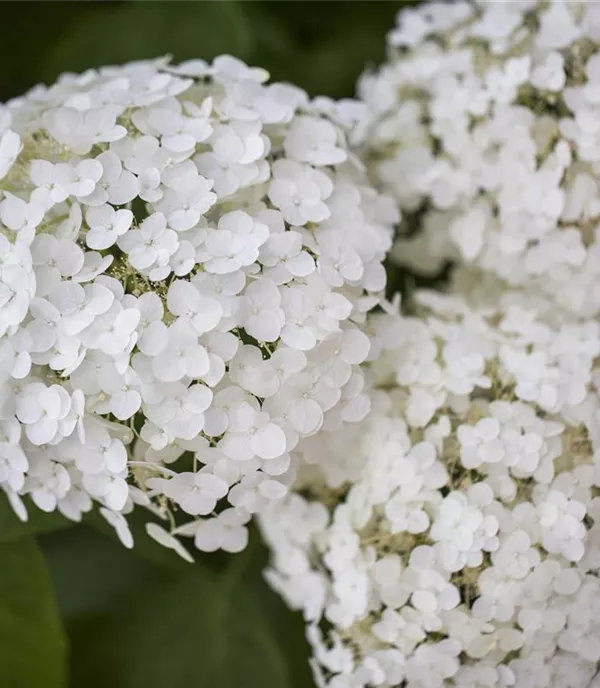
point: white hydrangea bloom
(452, 538)
(483, 123)
(187, 255)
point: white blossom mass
(187, 254)
(452, 538)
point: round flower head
(483, 124)
(186, 257)
(452, 538)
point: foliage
(32, 642)
(321, 46)
(134, 620)
(12, 528)
(137, 618)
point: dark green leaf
(204, 631)
(93, 573)
(97, 651)
(32, 643)
(341, 67)
(35, 28)
(95, 578)
(136, 621)
(134, 31)
(12, 528)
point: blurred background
(321, 45)
(77, 610)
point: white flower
(480, 443)
(124, 391)
(48, 482)
(116, 185)
(459, 519)
(18, 215)
(338, 262)
(472, 143)
(81, 130)
(256, 436)
(178, 133)
(235, 243)
(252, 373)
(550, 74)
(185, 300)
(186, 198)
(43, 411)
(299, 191)
(261, 314)
(196, 493)
(13, 462)
(119, 523)
(463, 531)
(153, 269)
(106, 226)
(239, 142)
(53, 259)
(10, 147)
(78, 306)
(150, 247)
(305, 400)
(113, 332)
(561, 524)
(82, 177)
(226, 531)
(283, 253)
(313, 140)
(52, 178)
(163, 538)
(182, 357)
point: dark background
(77, 610)
(321, 45)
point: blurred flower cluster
(452, 538)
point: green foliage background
(77, 610)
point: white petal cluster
(452, 538)
(483, 123)
(187, 254)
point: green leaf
(32, 643)
(346, 56)
(96, 578)
(93, 574)
(132, 31)
(97, 652)
(203, 631)
(12, 528)
(24, 49)
(135, 621)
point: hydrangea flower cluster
(452, 538)
(483, 123)
(186, 256)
